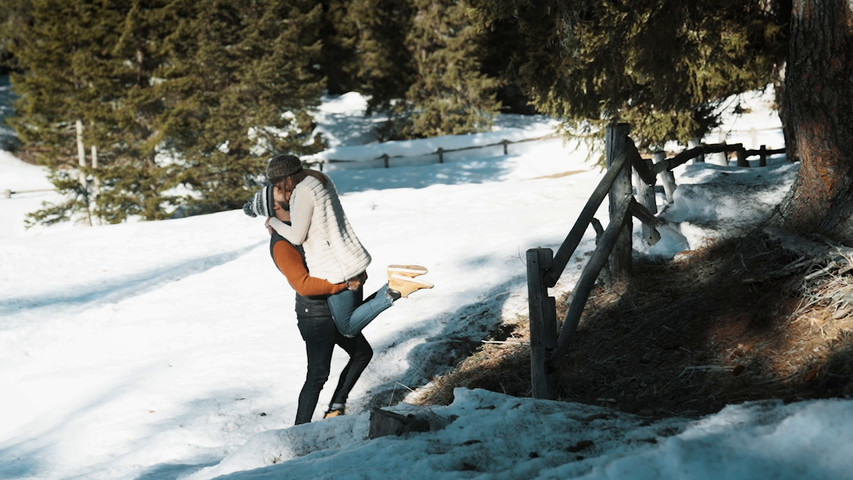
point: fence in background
(386, 159)
(440, 152)
(9, 192)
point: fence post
(695, 142)
(666, 177)
(741, 157)
(543, 323)
(762, 158)
(81, 152)
(620, 258)
(387, 159)
(646, 198)
(505, 142)
(440, 152)
(722, 157)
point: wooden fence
(9, 192)
(440, 152)
(319, 164)
(613, 245)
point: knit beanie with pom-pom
(261, 204)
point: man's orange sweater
(292, 264)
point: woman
(332, 249)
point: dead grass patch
(501, 364)
(741, 320)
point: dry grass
(738, 321)
(501, 364)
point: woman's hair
(301, 175)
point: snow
(169, 350)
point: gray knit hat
(283, 165)
(261, 205)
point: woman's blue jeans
(352, 315)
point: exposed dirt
(742, 320)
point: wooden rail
(440, 152)
(9, 192)
(613, 245)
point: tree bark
(785, 113)
(819, 85)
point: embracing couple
(315, 247)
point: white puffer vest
(332, 250)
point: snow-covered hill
(163, 350)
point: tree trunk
(819, 85)
(782, 100)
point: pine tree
(339, 58)
(181, 102)
(12, 14)
(661, 65)
(498, 62)
(450, 94)
(63, 50)
(386, 68)
(133, 178)
(240, 83)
